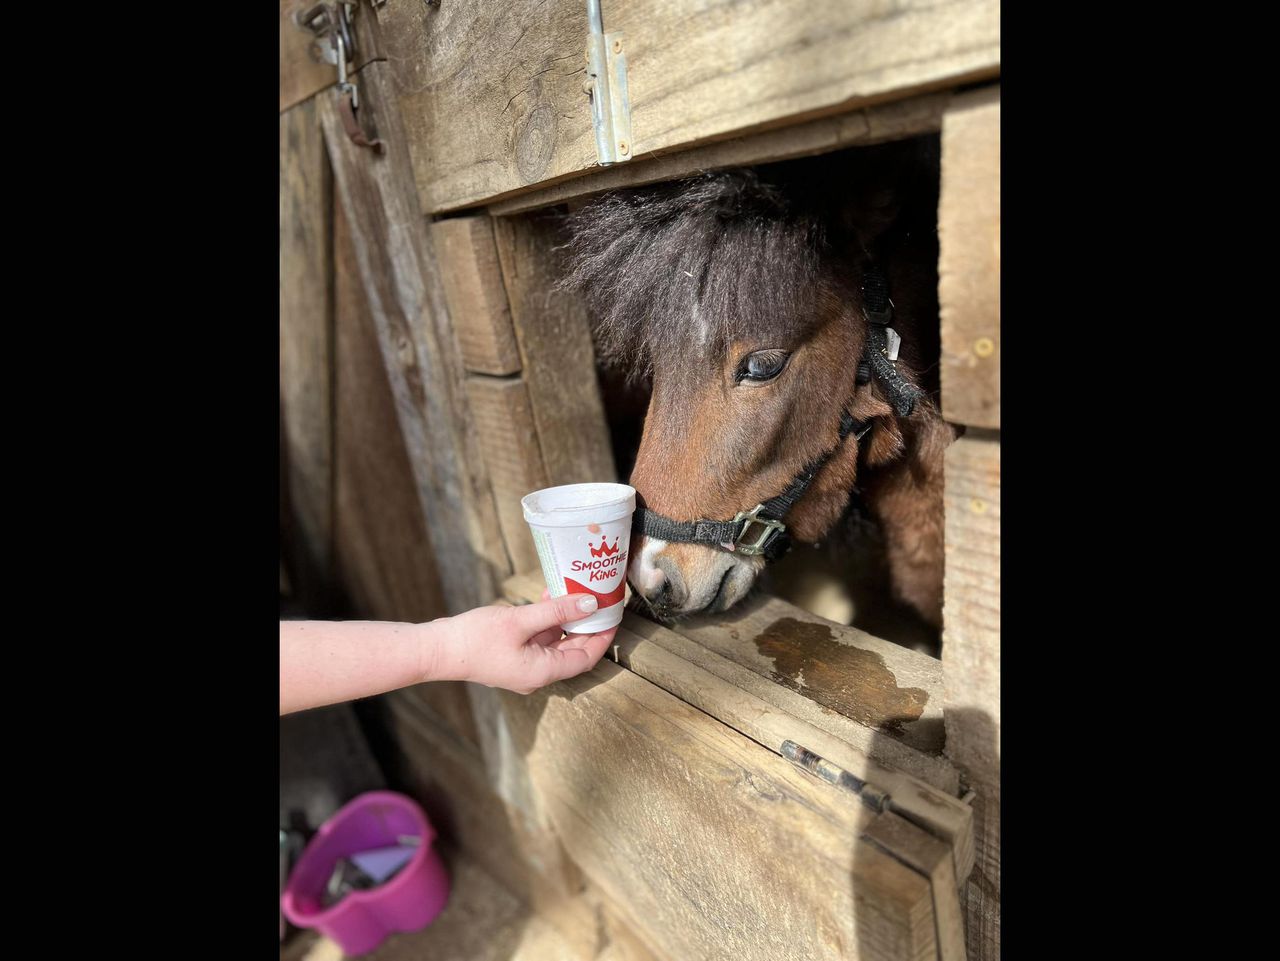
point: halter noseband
(761, 531)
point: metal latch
(607, 86)
(335, 43)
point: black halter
(761, 530)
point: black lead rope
(761, 531)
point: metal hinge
(820, 767)
(607, 86)
(334, 42)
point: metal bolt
(617, 46)
(623, 147)
(984, 347)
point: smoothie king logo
(604, 573)
(604, 548)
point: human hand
(519, 648)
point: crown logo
(604, 550)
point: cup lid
(572, 504)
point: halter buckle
(769, 527)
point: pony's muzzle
(680, 579)
(656, 577)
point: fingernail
(587, 603)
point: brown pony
(740, 296)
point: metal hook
(333, 21)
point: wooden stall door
(472, 344)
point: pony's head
(740, 300)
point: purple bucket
(363, 919)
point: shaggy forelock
(683, 270)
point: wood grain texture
(870, 125)
(894, 691)
(669, 661)
(969, 259)
(932, 858)
(507, 771)
(504, 419)
(770, 714)
(302, 73)
(557, 355)
(622, 942)
(448, 707)
(494, 100)
(401, 281)
(306, 344)
(476, 296)
(971, 665)
(728, 851)
(382, 551)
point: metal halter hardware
(761, 530)
(769, 528)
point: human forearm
(515, 648)
(324, 662)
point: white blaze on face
(646, 573)
(700, 325)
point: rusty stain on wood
(854, 682)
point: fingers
(569, 662)
(581, 640)
(551, 635)
(561, 660)
(535, 618)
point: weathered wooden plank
(969, 259)
(770, 714)
(894, 691)
(727, 851)
(507, 773)
(971, 665)
(870, 125)
(306, 344)
(668, 661)
(302, 73)
(383, 555)
(448, 706)
(401, 281)
(622, 942)
(971, 637)
(507, 434)
(476, 296)
(556, 354)
(932, 858)
(493, 93)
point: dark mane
(680, 270)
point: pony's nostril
(674, 592)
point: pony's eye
(762, 366)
